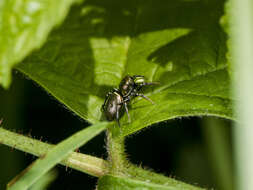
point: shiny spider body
(129, 88)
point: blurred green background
(195, 150)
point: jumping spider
(129, 88)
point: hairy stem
(116, 152)
(119, 165)
(84, 163)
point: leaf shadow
(185, 55)
(200, 51)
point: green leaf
(101, 42)
(24, 26)
(35, 171)
(114, 182)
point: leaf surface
(110, 182)
(177, 43)
(227, 27)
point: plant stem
(88, 164)
(219, 152)
(116, 152)
(119, 165)
(242, 57)
(84, 163)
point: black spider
(129, 88)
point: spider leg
(145, 97)
(128, 115)
(150, 83)
(117, 116)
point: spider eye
(139, 80)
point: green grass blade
(85, 163)
(45, 180)
(54, 156)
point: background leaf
(101, 42)
(24, 26)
